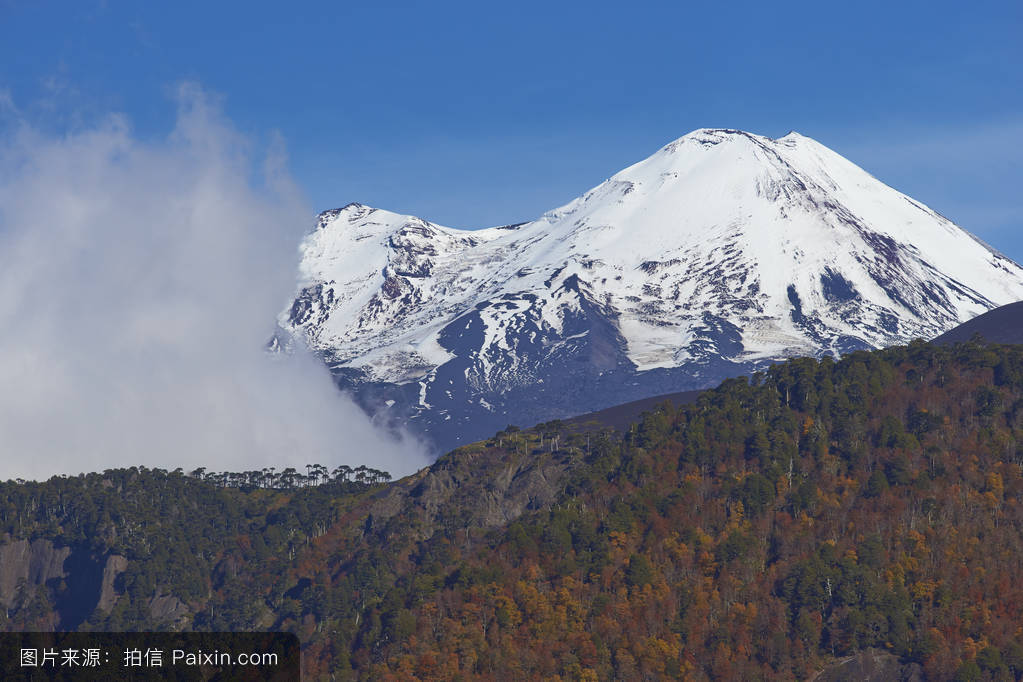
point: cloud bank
(139, 281)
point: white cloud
(138, 283)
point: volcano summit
(719, 254)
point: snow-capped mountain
(720, 253)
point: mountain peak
(720, 132)
(710, 137)
(720, 253)
(705, 137)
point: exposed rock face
(26, 565)
(76, 581)
(169, 610)
(487, 493)
(114, 567)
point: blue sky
(474, 114)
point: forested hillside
(770, 530)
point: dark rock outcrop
(468, 488)
(26, 565)
(73, 579)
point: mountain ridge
(999, 325)
(821, 520)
